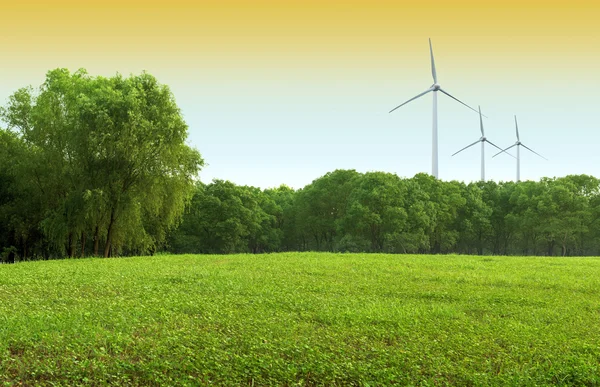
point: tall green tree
(376, 212)
(284, 210)
(564, 213)
(443, 205)
(321, 206)
(225, 218)
(475, 226)
(19, 201)
(111, 158)
(587, 242)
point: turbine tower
(434, 88)
(482, 140)
(519, 144)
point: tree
(420, 216)
(376, 211)
(474, 220)
(285, 216)
(112, 158)
(496, 196)
(587, 241)
(322, 204)
(20, 201)
(443, 204)
(225, 218)
(564, 213)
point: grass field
(301, 319)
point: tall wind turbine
(434, 88)
(482, 140)
(519, 144)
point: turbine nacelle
(435, 87)
(482, 139)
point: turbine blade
(531, 150)
(468, 146)
(456, 99)
(501, 150)
(432, 63)
(413, 98)
(517, 128)
(481, 122)
(505, 150)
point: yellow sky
(290, 26)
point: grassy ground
(301, 319)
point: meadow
(301, 319)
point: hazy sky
(281, 92)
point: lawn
(301, 319)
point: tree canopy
(348, 211)
(101, 159)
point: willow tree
(113, 160)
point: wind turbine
(519, 144)
(434, 88)
(482, 140)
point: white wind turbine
(434, 88)
(519, 144)
(482, 140)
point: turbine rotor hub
(436, 86)
(483, 138)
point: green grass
(301, 319)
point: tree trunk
(437, 245)
(11, 257)
(82, 244)
(72, 245)
(318, 241)
(96, 241)
(107, 246)
(551, 248)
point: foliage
(108, 159)
(321, 206)
(376, 211)
(348, 211)
(225, 218)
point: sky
(282, 92)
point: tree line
(348, 211)
(99, 166)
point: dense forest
(347, 211)
(94, 166)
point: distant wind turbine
(434, 88)
(519, 144)
(482, 140)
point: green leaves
(380, 212)
(100, 148)
(225, 218)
